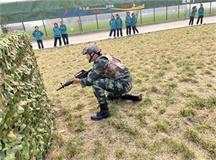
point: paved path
(102, 35)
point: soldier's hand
(75, 81)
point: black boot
(104, 113)
(134, 97)
(112, 96)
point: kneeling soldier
(108, 73)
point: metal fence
(101, 21)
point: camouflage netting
(26, 114)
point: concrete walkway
(103, 35)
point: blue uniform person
(134, 22)
(119, 25)
(57, 34)
(108, 74)
(192, 14)
(112, 24)
(128, 24)
(64, 33)
(200, 14)
(38, 36)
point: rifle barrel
(60, 88)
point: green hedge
(26, 114)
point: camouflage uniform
(100, 82)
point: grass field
(105, 24)
(174, 70)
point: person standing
(128, 24)
(192, 14)
(200, 14)
(119, 25)
(64, 33)
(134, 22)
(57, 34)
(112, 24)
(38, 36)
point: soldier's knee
(99, 83)
(96, 85)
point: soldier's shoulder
(103, 61)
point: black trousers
(55, 41)
(201, 19)
(40, 44)
(112, 30)
(135, 29)
(65, 38)
(191, 20)
(119, 30)
(128, 30)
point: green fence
(49, 9)
(74, 13)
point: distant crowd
(116, 25)
(58, 33)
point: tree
(79, 25)
(3, 22)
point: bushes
(26, 115)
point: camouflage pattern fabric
(119, 85)
(26, 113)
(116, 86)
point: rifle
(79, 75)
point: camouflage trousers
(116, 87)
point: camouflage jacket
(99, 66)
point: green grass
(142, 118)
(210, 145)
(188, 79)
(187, 112)
(162, 111)
(59, 139)
(165, 126)
(74, 147)
(178, 93)
(76, 123)
(205, 127)
(99, 150)
(80, 106)
(203, 103)
(179, 148)
(125, 127)
(120, 153)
